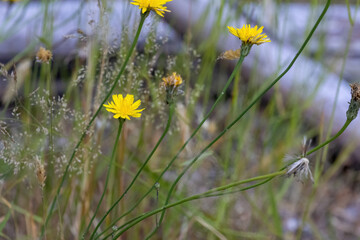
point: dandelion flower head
(249, 35)
(155, 5)
(124, 107)
(173, 80)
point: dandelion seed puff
(300, 170)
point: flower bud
(354, 106)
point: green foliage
(213, 159)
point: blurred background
(41, 119)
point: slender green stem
(237, 67)
(143, 17)
(319, 165)
(217, 194)
(312, 195)
(257, 98)
(235, 184)
(346, 124)
(171, 112)
(219, 191)
(208, 193)
(349, 12)
(51, 135)
(126, 213)
(121, 123)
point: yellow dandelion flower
(173, 80)
(124, 107)
(172, 84)
(155, 5)
(247, 34)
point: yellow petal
(116, 99)
(136, 104)
(129, 99)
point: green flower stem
(121, 123)
(351, 20)
(346, 124)
(126, 213)
(235, 184)
(217, 194)
(171, 113)
(312, 195)
(142, 20)
(237, 67)
(257, 98)
(209, 193)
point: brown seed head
(230, 54)
(43, 55)
(40, 173)
(354, 104)
(355, 91)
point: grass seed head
(40, 173)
